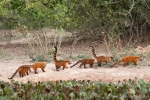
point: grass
(5, 56)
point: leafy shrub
(37, 57)
(81, 89)
(83, 56)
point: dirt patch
(104, 73)
(19, 57)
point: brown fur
(101, 59)
(84, 62)
(22, 71)
(37, 65)
(59, 63)
(127, 59)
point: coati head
(69, 62)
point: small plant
(71, 56)
(83, 56)
(81, 89)
(37, 57)
(40, 47)
(5, 56)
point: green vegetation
(75, 90)
(5, 56)
(117, 21)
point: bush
(81, 89)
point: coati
(37, 65)
(84, 62)
(22, 71)
(59, 63)
(127, 59)
(101, 59)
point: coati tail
(116, 63)
(15, 73)
(76, 63)
(55, 52)
(93, 52)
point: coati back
(22, 71)
(127, 59)
(59, 63)
(101, 59)
(37, 65)
(84, 62)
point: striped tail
(116, 63)
(55, 53)
(93, 52)
(76, 63)
(15, 73)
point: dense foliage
(75, 90)
(87, 18)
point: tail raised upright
(93, 52)
(55, 53)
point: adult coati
(101, 59)
(22, 71)
(127, 59)
(37, 65)
(84, 62)
(59, 63)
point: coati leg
(99, 63)
(128, 63)
(125, 63)
(64, 67)
(29, 69)
(35, 71)
(57, 68)
(84, 66)
(91, 65)
(20, 73)
(135, 63)
(24, 74)
(80, 65)
(43, 69)
(106, 62)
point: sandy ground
(95, 74)
(105, 73)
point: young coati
(59, 63)
(84, 62)
(37, 65)
(22, 71)
(127, 59)
(101, 59)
